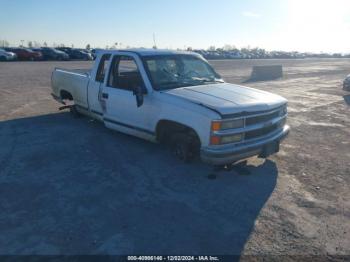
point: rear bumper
(57, 98)
(219, 156)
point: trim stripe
(97, 113)
(119, 123)
(129, 126)
(82, 107)
(86, 109)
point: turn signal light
(215, 140)
(215, 126)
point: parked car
(93, 52)
(25, 54)
(346, 83)
(52, 53)
(76, 53)
(178, 99)
(7, 56)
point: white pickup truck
(175, 98)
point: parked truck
(175, 98)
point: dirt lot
(70, 186)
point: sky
(290, 25)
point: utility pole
(154, 41)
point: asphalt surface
(71, 186)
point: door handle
(105, 95)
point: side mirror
(139, 92)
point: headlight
(221, 140)
(220, 125)
(229, 124)
(231, 139)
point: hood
(229, 98)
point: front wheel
(183, 147)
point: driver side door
(120, 110)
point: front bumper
(220, 156)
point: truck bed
(73, 81)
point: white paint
(195, 107)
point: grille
(262, 118)
(261, 132)
(258, 125)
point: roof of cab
(151, 52)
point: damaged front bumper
(227, 155)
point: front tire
(183, 147)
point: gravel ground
(71, 186)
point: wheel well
(66, 95)
(166, 128)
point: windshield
(174, 71)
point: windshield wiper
(208, 80)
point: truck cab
(176, 98)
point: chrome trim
(254, 115)
(247, 142)
(268, 123)
(273, 120)
(71, 72)
(256, 139)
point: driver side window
(124, 74)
